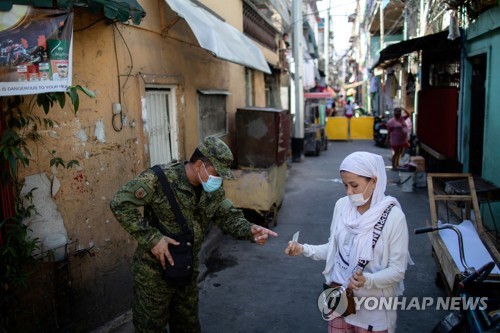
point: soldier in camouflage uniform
(196, 187)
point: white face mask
(359, 199)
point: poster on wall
(35, 50)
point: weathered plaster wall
(118, 62)
(227, 10)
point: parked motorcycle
(380, 131)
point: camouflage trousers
(157, 304)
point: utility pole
(423, 22)
(381, 11)
(326, 44)
(298, 129)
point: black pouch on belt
(181, 273)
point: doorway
(477, 113)
(161, 125)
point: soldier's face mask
(213, 183)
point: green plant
(21, 126)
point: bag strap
(377, 231)
(171, 199)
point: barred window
(212, 112)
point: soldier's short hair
(198, 156)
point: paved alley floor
(260, 289)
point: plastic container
(54, 247)
(420, 179)
(406, 180)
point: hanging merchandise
(410, 84)
(453, 30)
(308, 75)
(391, 89)
(374, 83)
(375, 93)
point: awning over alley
(436, 42)
(221, 39)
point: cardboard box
(418, 162)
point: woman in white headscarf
(355, 218)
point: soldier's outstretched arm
(232, 221)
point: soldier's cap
(219, 154)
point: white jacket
(392, 261)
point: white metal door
(161, 125)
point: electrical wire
(116, 127)
(183, 41)
(90, 25)
(129, 55)
(113, 118)
(325, 10)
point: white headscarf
(367, 165)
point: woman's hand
(357, 280)
(294, 249)
(160, 251)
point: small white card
(295, 237)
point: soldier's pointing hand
(261, 234)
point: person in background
(409, 125)
(330, 102)
(196, 185)
(356, 218)
(397, 136)
(285, 41)
(340, 104)
(349, 112)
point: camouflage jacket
(146, 190)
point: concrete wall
(483, 37)
(118, 61)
